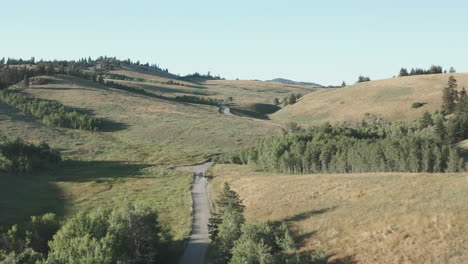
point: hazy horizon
(308, 41)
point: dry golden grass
(244, 92)
(368, 218)
(390, 98)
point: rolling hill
(282, 80)
(389, 98)
(131, 159)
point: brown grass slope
(248, 95)
(389, 98)
(367, 218)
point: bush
(417, 105)
(18, 156)
(128, 235)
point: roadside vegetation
(236, 241)
(130, 234)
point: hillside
(361, 218)
(250, 98)
(129, 160)
(282, 80)
(389, 98)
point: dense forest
(374, 145)
(236, 241)
(19, 156)
(130, 234)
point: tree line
(235, 241)
(130, 234)
(199, 77)
(375, 145)
(434, 69)
(19, 156)
(198, 100)
(51, 112)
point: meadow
(360, 218)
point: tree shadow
(98, 171)
(23, 195)
(306, 215)
(344, 260)
(112, 126)
(26, 195)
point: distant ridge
(281, 80)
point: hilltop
(389, 98)
(282, 80)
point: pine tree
(440, 130)
(426, 120)
(449, 96)
(454, 163)
(343, 84)
(403, 72)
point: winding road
(199, 238)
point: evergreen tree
(403, 72)
(449, 96)
(426, 120)
(439, 128)
(228, 202)
(276, 101)
(343, 84)
(363, 79)
(455, 163)
(452, 70)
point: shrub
(417, 105)
(18, 156)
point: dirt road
(199, 238)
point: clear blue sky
(319, 41)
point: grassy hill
(250, 98)
(361, 218)
(129, 160)
(389, 98)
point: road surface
(199, 238)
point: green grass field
(129, 160)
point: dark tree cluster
(418, 71)
(51, 112)
(198, 100)
(122, 77)
(236, 242)
(291, 99)
(398, 147)
(363, 79)
(130, 234)
(19, 156)
(194, 77)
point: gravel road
(199, 238)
